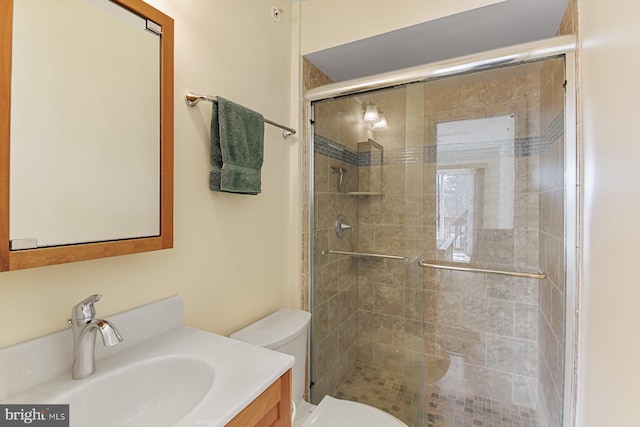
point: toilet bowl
(286, 331)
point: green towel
(237, 140)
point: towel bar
(428, 264)
(363, 254)
(192, 99)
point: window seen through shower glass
(475, 181)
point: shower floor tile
(440, 408)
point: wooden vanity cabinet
(271, 409)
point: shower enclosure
(438, 258)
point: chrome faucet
(84, 326)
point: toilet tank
(285, 331)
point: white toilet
(286, 331)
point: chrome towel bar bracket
(192, 99)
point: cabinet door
(271, 409)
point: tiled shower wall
(374, 333)
(475, 333)
(551, 293)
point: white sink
(178, 376)
(153, 392)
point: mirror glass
(86, 130)
(85, 124)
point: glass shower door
(495, 341)
(368, 287)
(468, 174)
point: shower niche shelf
(364, 193)
(370, 154)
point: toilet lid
(333, 412)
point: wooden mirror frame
(28, 258)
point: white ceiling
(503, 24)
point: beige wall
(609, 372)
(232, 259)
(371, 19)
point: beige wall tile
(464, 283)
(550, 402)
(526, 248)
(389, 300)
(326, 283)
(348, 273)
(442, 308)
(312, 76)
(513, 289)
(388, 272)
(555, 257)
(549, 348)
(469, 344)
(494, 247)
(414, 275)
(527, 180)
(326, 120)
(524, 391)
(394, 179)
(485, 382)
(569, 20)
(348, 333)
(321, 321)
(487, 315)
(389, 239)
(525, 324)
(489, 93)
(546, 211)
(444, 99)
(337, 310)
(325, 354)
(387, 357)
(557, 214)
(326, 208)
(512, 355)
(321, 174)
(557, 312)
(526, 215)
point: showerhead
(339, 169)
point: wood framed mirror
(159, 235)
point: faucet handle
(84, 310)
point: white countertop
(241, 372)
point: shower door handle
(440, 266)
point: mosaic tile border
(522, 147)
(334, 150)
